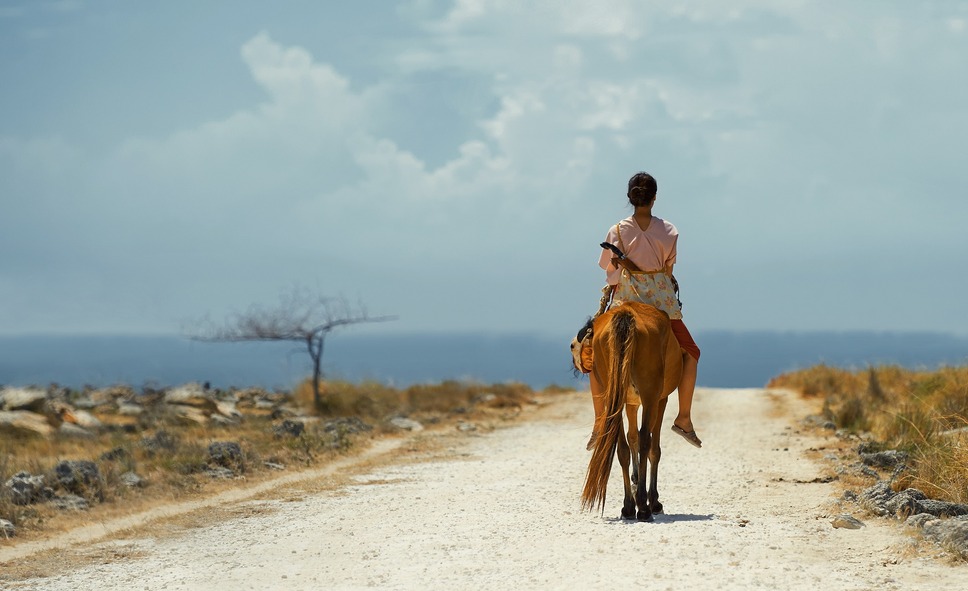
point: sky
(455, 163)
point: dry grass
(176, 469)
(373, 401)
(922, 412)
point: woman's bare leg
(687, 387)
(598, 399)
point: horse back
(657, 341)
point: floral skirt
(649, 287)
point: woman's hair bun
(642, 189)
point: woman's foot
(689, 435)
(591, 441)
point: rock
(849, 496)
(846, 522)
(919, 520)
(224, 421)
(130, 409)
(912, 502)
(264, 405)
(80, 477)
(227, 409)
(191, 395)
(406, 424)
(881, 500)
(819, 421)
(273, 466)
(7, 530)
(24, 422)
(289, 428)
(462, 426)
(875, 498)
(70, 503)
(25, 489)
(132, 480)
(884, 459)
(904, 503)
(82, 418)
(85, 403)
(30, 399)
(220, 472)
(118, 454)
(112, 394)
(226, 453)
(941, 508)
(160, 442)
(951, 534)
(346, 425)
(190, 414)
(70, 430)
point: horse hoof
(644, 516)
(628, 513)
(657, 507)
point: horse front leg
(655, 453)
(623, 452)
(632, 414)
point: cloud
(494, 149)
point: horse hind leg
(632, 414)
(655, 454)
(647, 497)
(654, 505)
(641, 492)
(628, 508)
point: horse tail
(620, 341)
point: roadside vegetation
(163, 455)
(923, 413)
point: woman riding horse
(644, 274)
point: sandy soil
(501, 511)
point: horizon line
(495, 333)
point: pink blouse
(651, 250)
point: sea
(729, 359)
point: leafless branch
(300, 316)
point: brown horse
(637, 362)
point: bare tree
(301, 316)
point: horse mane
(584, 330)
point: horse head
(576, 346)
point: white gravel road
(501, 511)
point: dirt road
(500, 511)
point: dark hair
(642, 189)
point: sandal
(689, 436)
